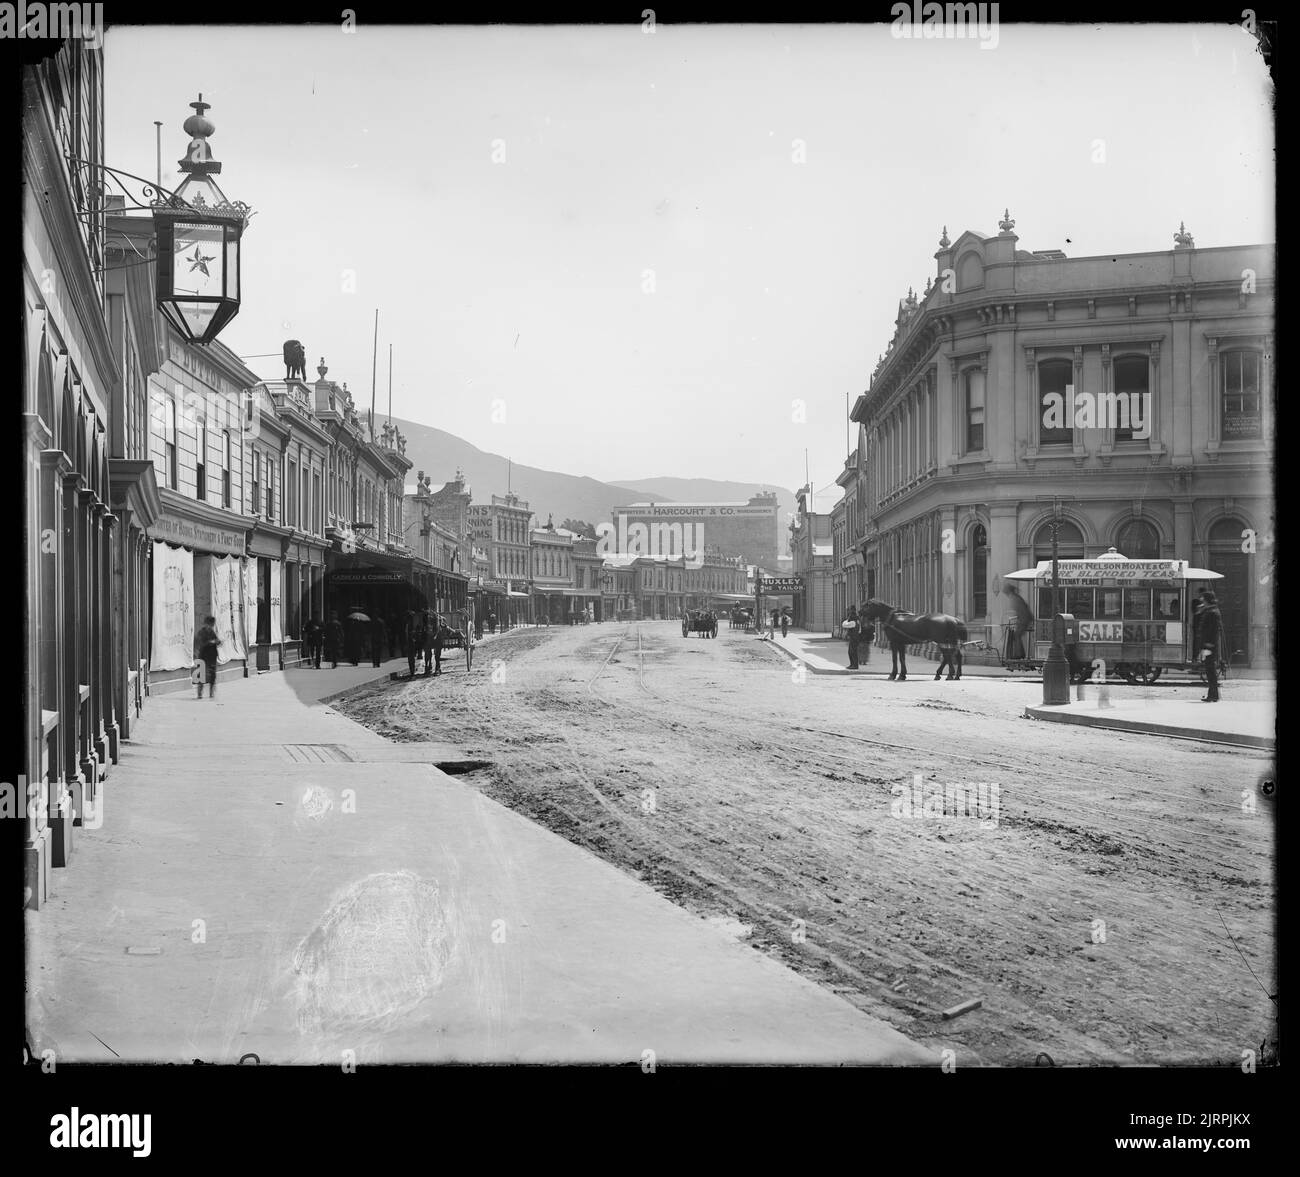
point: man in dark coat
(312, 631)
(333, 641)
(439, 640)
(430, 629)
(205, 647)
(1209, 641)
(378, 639)
(414, 635)
(852, 631)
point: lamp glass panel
(232, 267)
(198, 261)
(197, 315)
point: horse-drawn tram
(1135, 616)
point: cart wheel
(686, 629)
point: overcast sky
(519, 287)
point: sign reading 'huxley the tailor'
(780, 584)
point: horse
(903, 629)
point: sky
(631, 255)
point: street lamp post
(1056, 670)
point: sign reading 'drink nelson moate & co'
(201, 537)
(780, 584)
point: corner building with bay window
(969, 449)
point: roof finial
(943, 241)
(1006, 224)
(1183, 239)
(321, 369)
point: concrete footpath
(824, 654)
(272, 879)
(1248, 724)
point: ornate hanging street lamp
(198, 239)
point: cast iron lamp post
(1056, 670)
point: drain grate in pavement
(317, 754)
(456, 767)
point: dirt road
(1087, 899)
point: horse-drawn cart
(701, 621)
(459, 635)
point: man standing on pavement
(785, 622)
(851, 632)
(1210, 643)
(378, 639)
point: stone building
(69, 536)
(501, 528)
(1133, 394)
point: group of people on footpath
(859, 633)
(422, 633)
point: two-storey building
(1129, 396)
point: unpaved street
(1090, 910)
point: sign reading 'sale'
(1121, 631)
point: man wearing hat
(1209, 642)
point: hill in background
(562, 496)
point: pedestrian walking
(353, 640)
(312, 634)
(852, 632)
(414, 635)
(785, 622)
(205, 648)
(1210, 642)
(492, 622)
(333, 641)
(378, 639)
(439, 640)
(426, 641)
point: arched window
(1138, 540)
(1069, 542)
(1055, 413)
(169, 439)
(979, 542)
(970, 272)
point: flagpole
(374, 362)
(390, 381)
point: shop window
(255, 499)
(1137, 604)
(1240, 406)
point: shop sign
(781, 584)
(193, 534)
